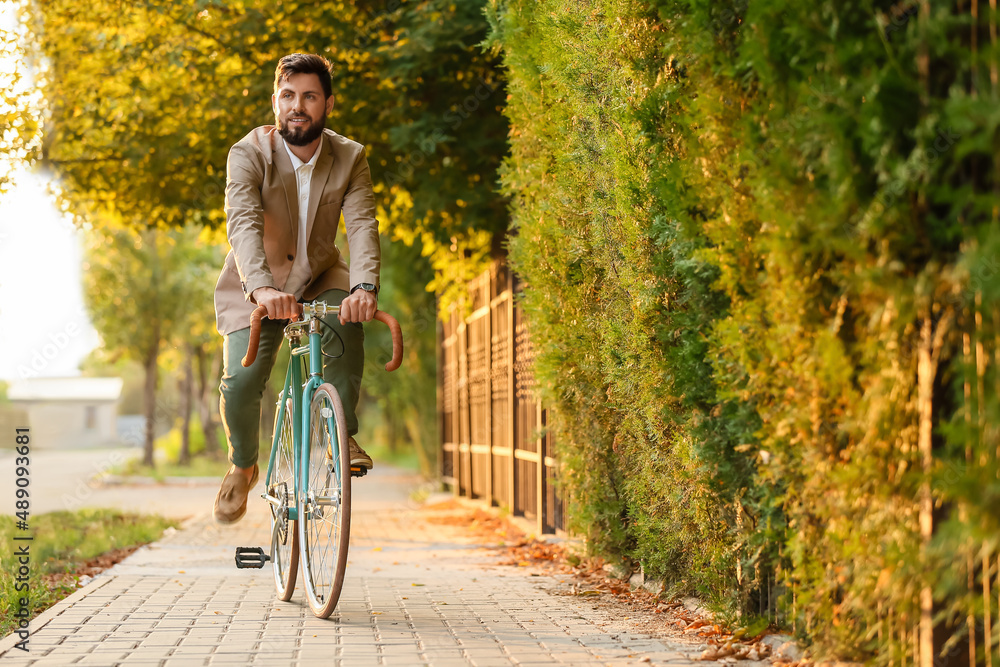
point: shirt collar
(296, 162)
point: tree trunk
(149, 395)
(925, 403)
(393, 431)
(929, 397)
(187, 397)
(209, 370)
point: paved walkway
(417, 593)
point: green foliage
(170, 444)
(144, 101)
(134, 288)
(19, 126)
(599, 284)
(843, 265)
(64, 541)
(401, 407)
(759, 246)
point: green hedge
(759, 246)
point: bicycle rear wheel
(281, 493)
(325, 506)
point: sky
(44, 328)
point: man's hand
(280, 305)
(358, 307)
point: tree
(406, 398)
(199, 342)
(19, 130)
(759, 245)
(145, 99)
(137, 291)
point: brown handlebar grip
(397, 339)
(255, 318)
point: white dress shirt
(300, 274)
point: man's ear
(274, 103)
(330, 102)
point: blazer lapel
(287, 175)
(320, 175)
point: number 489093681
(21, 494)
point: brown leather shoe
(231, 502)
(358, 456)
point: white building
(68, 413)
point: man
(286, 187)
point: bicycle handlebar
(394, 329)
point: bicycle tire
(325, 503)
(284, 533)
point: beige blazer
(262, 222)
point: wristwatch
(368, 287)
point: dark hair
(304, 63)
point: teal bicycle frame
(300, 413)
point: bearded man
(286, 187)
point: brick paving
(416, 594)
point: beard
(301, 136)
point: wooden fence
(495, 446)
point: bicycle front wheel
(325, 508)
(281, 498)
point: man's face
(300, 109)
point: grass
(63, 544)
(372, 437)
(405, 458)
(200, 466)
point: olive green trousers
(243, 388)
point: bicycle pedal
(251, 557)
(358, 471)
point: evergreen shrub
(759, 246)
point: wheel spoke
(284, 546)
(326, 504)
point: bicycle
(308, 489)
